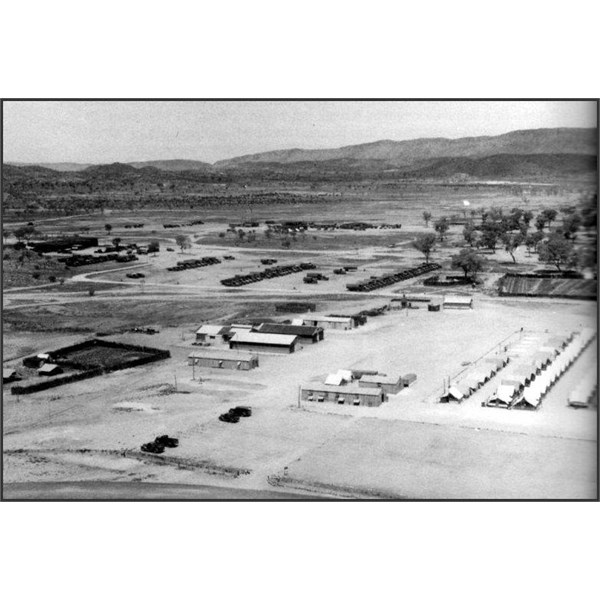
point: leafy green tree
(108, 228)
(469, 262)
(426, 217)
(425, 243)
(540, 222)
(154, 246)
(549, 215)
(570, 225)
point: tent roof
(333, 379)
(48, 368)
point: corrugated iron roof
(284, 329)
(271, 339)
(220, 354)
(210, 329)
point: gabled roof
(48, 368)
(390, 379)
(284, 329)
(270, 339)
(458, 299)
(210, 329)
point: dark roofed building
(306, 334)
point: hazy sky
(101, 132)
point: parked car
(153, 448)
(229, 418)
(166, 441)
(241, 411)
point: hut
(408, 380)
(346, 394)
(223, 359)
(263, 342)
(458, 302)
(208, 333)
(305, 334)
(49, 370)
(343, 323)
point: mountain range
(531, 153)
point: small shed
(9, 375)
(49, 370)
(408, 380)
(458, 302)
(209, 333)
(452, 393)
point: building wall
(245, 365)
(388, 388)
(349, 398)
(251, 347)
(328, 324)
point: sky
(127, 131)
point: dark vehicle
(153, 448)
(170, 250)
(166, 441)
(241, 411)
(229, 418)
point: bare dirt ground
(410, 447)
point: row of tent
(474, 379)
(525, 384)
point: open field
(410, 447)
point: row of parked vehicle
(270, 273)
(194, 263)
(233, 414)
(376, 283)
(159, 444)
(80, 260)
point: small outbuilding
(408, 380)
(263, 342)
(223, 359)
(458, 302)
(9, 375)
(209, 333)
(49, 370)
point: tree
(116, 241)
(490, 232)
(426, 217)
(183, 241)
(570, 225)
(154, 246)
(441, 226)
(25, 233)
(540, 222)
(469, 262)
(469, 233)
(511, 242)
(549, 215)
(557, 251)
(527, 216)
(533, 239)
(108, 228)
(425, 243)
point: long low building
(343, 394)
(263, 342)
(343, 323)
(390, 384)
(458, 302)
(305, 334)
(208, 333)
(223, 359)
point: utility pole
(175, 377)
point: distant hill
(405, 153)
(59, 166)
(173, 165)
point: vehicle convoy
(153, 448)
